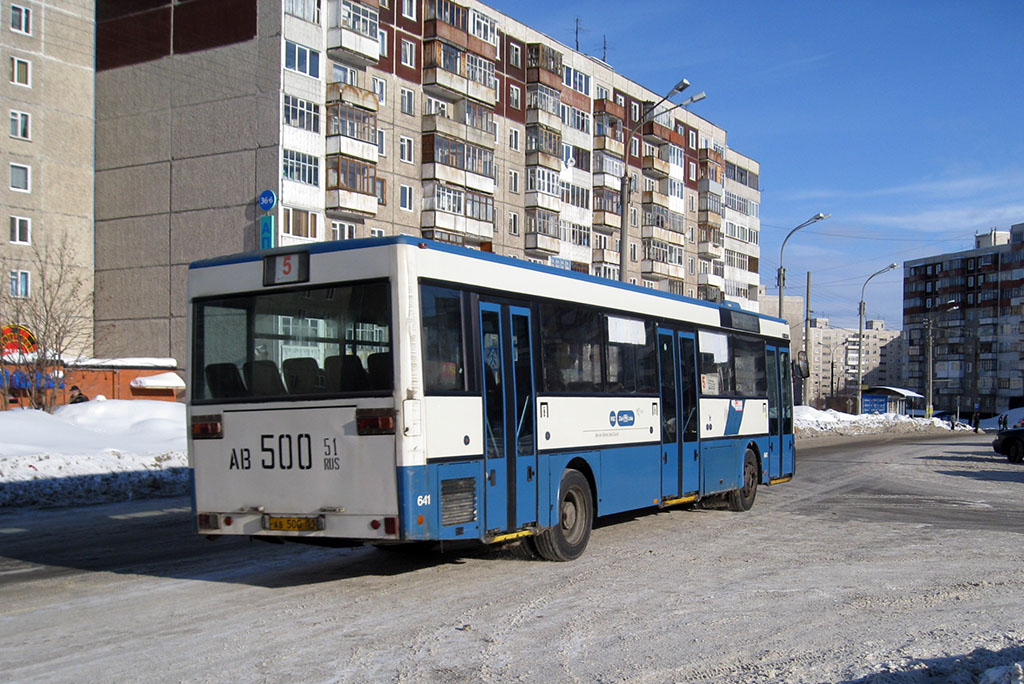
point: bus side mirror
(800, 368)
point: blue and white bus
(398, 389)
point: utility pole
(807, 339)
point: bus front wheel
(568, 538)
(743, 499)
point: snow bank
(809, 422)
(91, 452)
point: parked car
(1010, 443)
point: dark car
(1010, 443)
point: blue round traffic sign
(268, 200)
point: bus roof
(363, 243)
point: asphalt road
(127, 592)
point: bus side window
(443, 368)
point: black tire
(1016, 453)
(743, 499)
(566, 540)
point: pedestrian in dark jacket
(76, 395)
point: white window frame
(21, 121)
(15, 61)
(513, 181)
(409, 9)
(351, 75)
(312, 57)
(21, 20)
(382, 42)
(634, 108)
(405, 196)
(377, 232)
(20, 284)
(21, 230)
(515, 55)
(405, 149)
(408, 104)
(342, 230)
(382, 143)
(513, 223)
(306, 165)
(312, 222)
(513, 138)
(301, 114)
(28, 177)
(408, 53)
(380, 87)
(515, 97)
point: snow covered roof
(908, 394)
(160, 381)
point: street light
(782, 271)
(693, 98)
(860, 335)
(624, 190)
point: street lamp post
(782, 271)
(929, 326)
(624, 189)
(860, 336)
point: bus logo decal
(611, 418)
(625, 418)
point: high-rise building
(834, 354)
(379, 117)
(47, 194)
(964, 311)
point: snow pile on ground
(92, 452)
(809, 422)
(1010, 674)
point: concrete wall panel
(149, 237)
(147, 289)
(124, 338)
(133, 191)
(216, 181)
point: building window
(20, 286)
(513, 181)
(382, 38)
(408, 53)
(380, 87)
(513, 138)
(407, 101)
(346, 74)
(405, 192)
(634, 108)
(601, 93)
(634, 147)
(21, 19)
(515, 55)
(301, 59)
(301, 114)
(351, 122)
(405, 149)
(21, 125)
(382, 145)
(21, 178)
(693, 171)
(376, 232)
(382, 192)
(21, 230)
(513, 223)
(514, 97)
(409, 9)
(304, 9)
(299, 222)
(632, 216)
(299, 167)
(347, 173)
(343, 231)
(21, 72)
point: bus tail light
(390, 525)
(207, 427)
(208, 521)
(371, 421)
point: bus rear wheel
(743, 499)
(568, 538)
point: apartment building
(966, 308)
(47, 195)
(834, 354)
(380, 117)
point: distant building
(970, 306)
(834, 357)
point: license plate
(291, 524)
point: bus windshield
(318, 341)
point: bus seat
(264, 378)
(224, 380)
(380, 369)
(303, 376)
(346, 373)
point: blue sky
(904, 120)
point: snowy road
(888, 559)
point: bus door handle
(529, 473)
(493, 478)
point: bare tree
(58, 312)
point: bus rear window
(310, 342)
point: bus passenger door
(689, 412)
(774, 463)
(670, 454)
(510, 456)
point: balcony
(610, 145)
(439, 123)
(354, 40)
(655, 197)
(660, 270)
(655, 167)
(611, 108)
(544, 201)
(540, 158)
(349, 204)
(542, 245)
(352, 95)
(536, 115)
(711, 250)
(447, 85)
(607, 221)
(604, 256)
(656, 134)
(711, 280)
(470, 229)
(707, 154)
(709, 218)
(538, 75)
(450, 174)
